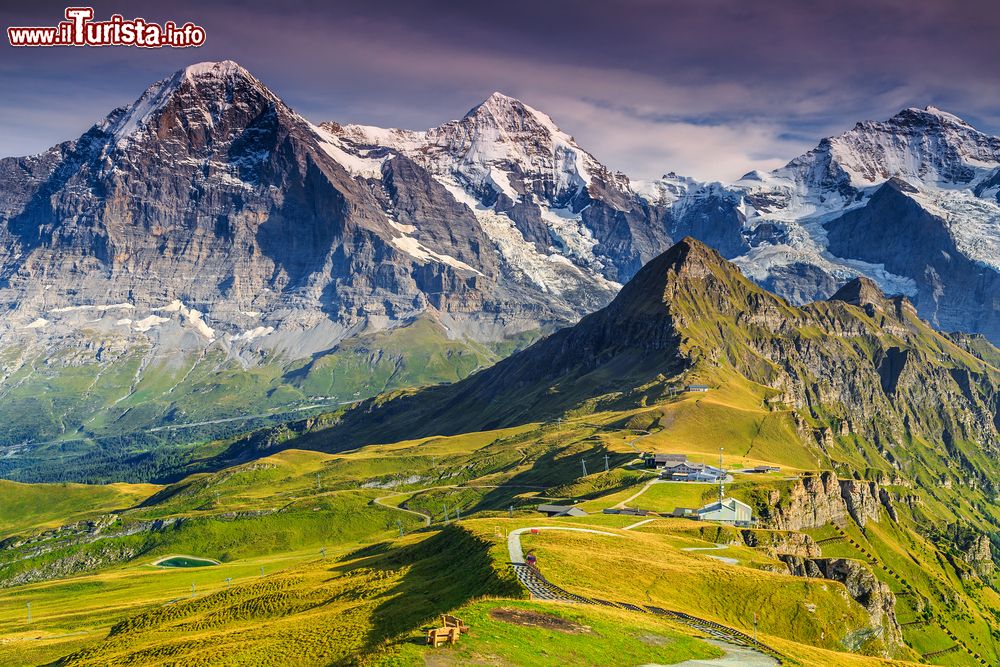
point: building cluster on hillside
(676, 468)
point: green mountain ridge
(871, 386)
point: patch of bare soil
(653, 639)
(536, 619)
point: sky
(704, 88)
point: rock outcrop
(976, 550)
(862, 585)
(862, 500)
(780, 543)
(816, 500)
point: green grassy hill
(339, 538)
(278, 513)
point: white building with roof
(727, 510)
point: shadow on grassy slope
(440, 573)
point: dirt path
(645, 487)
(736, 656)
(423, 517)
(717, 547)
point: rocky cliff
(816, 500)
(862, 585)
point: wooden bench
(449, 621)
(439, 636)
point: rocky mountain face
(211, 203)
(910, 203)
(208, 229)
(535, 191)
(817, 500)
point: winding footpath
(645, 487)
(742, 650)
(426, 518)
(381, 502)
(717, 547)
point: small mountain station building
(561, 510)
(660, 460)
(728, 510)
(686, 471)
(762, 469)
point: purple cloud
(709, 88)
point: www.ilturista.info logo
(79, 29)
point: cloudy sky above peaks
(706, 88)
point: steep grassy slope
(884, 430)
(856, 383)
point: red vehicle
(530, 559)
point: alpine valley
(206, 254)
(280, 392)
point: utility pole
(319, 483)
(322, 552)
(192, 590)
(29, 612)
(755, 627)
(399, 524)
(229, 582)
(262, 571)
(510, 512)
(722, 480)
(458, 514)
(606, 468)
(584, 462)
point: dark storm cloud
(712, 88)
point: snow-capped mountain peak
(512, 115)
(208, 88)
(910, 201)
(929, 115)
(222, 69)
(925, 145)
